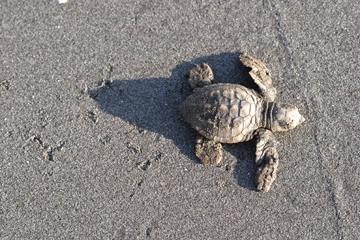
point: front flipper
(208, 151)
(267, 160)
(261, 75)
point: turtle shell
(226, 113)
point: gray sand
(93, 146)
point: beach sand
(93, 145)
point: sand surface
(93, 146)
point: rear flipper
(208, 151)
(201, 75)
(267, 160)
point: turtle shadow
(153, 104)
(244, 170)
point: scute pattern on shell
(223, 112)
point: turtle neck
(266, 121)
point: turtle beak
(302, 119)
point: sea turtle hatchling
(231, 113)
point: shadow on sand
(152, 104)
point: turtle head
(285, 117)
